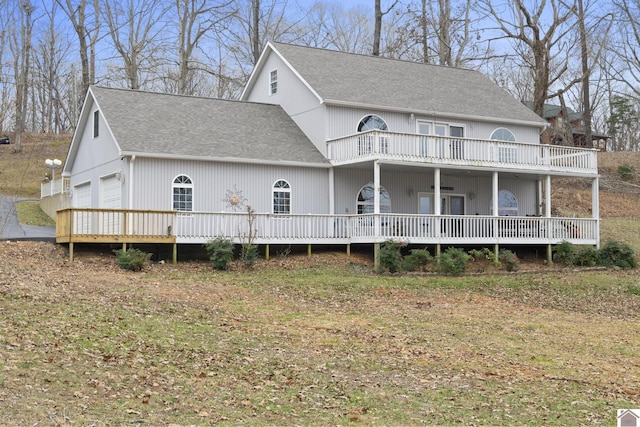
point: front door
(449, 204)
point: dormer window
(273, 82)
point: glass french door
(449, 204)
(444, 147)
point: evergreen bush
(132, 259)
(453, 261)
(220, 253)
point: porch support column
(540, 192)
(174, 255)
(437, 208)
(595, 207)
(495, 208)
(376, 211)
(547, 214)
(332, 206)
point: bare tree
(21, 44)
(134, 27)
(627, 48)
(5, 96)
(87, 35)
(196, 19)
(527, 27)
(259, 21)
(377, 28)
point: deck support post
(595, 207)
(124, 247)
(175, 254)
(496, 249)
(438, 251)
(266, 252)
(549, 254)
(309, 249)
(71, 251)
(348, 249)
(376, 257)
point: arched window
(507, 204)
(503, 134)
(507, 153)
(281, 197)
(366, 142)
(365, 200)
(182, 190)
(372, 122)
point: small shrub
(249, 255)
(132, 259)
(220, 253)
(509, 259)
(616, 254)
(564, 253)
(484, 253)
(626, 171)
(587, 257)
(453, 261)
(390, 256)
(416, 260)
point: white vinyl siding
(212, 180)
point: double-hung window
(182, 189)
(281, 197)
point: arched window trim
(182, 193)
(364, 121)
(366, 204)
(502, 130)
(281, 197)
(366, 143)
(505, 209)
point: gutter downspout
(130, 180)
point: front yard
(310, 340)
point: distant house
(326, 148)
(555, 132)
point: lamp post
(53, 165)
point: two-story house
(326, 148)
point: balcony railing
(461, 152)
(121, 226)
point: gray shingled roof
(184, 126)
(376, 81)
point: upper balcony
(462, 152)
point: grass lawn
(314, 340)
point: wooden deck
(75, 225)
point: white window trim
(95, 131)
(174, 185)
(273, 82)
(275, 189)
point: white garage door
(110, 198)
(82, 199)
(111, 193)
(82, 196)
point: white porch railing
(200, 227)
(122, 225)
(462, 152)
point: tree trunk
(377, 28)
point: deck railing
(461, 151)
(114, 225)
(137, 226)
